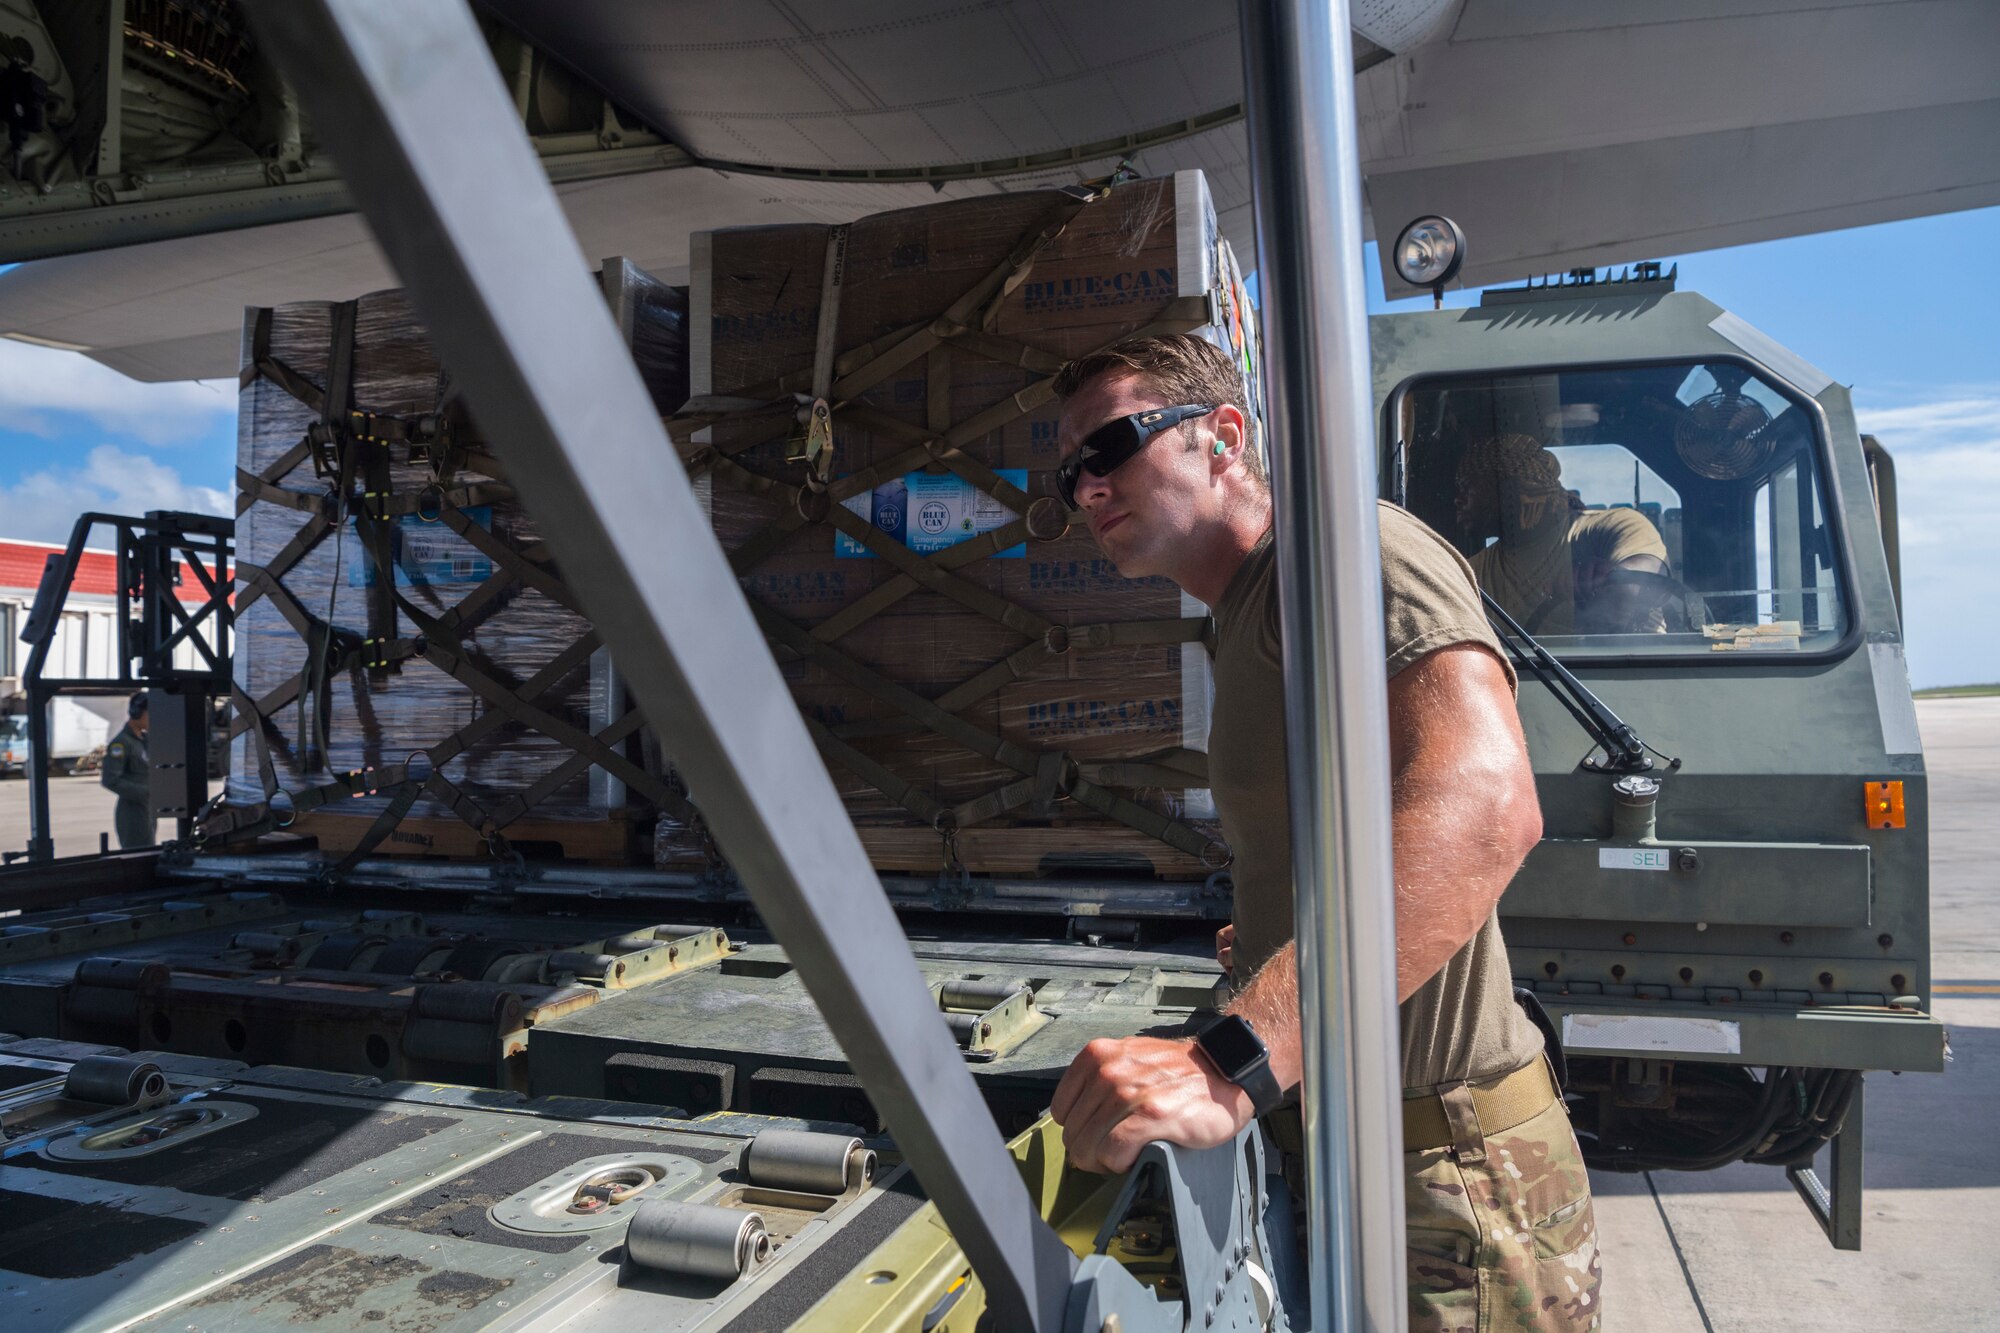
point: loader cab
(1652, 510)
(1679, 512)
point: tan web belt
(1500, 1103)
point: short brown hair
(1179, 367)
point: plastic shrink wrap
(319, 724)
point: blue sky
(76, 436)
(1905, 313)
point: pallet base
(596, 841)
(1016, 852)
(1005, 850)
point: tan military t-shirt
(1463, 1022)
(1531, 570)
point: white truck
(78, 728)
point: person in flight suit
(127, 771)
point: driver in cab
(1557, 567)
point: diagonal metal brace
(407, 97)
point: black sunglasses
(1111, 444)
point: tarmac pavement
(81, 807)
(1735, 1249)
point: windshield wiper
(1623, 751)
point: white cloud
(1915, 424)
(1947, 452)
(43, 506)
(36, 382)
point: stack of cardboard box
(1145, 255)
(363, 716)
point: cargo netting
(874, 431)
(405, 644)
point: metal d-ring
(1047, 518)
(290, 811)
(425, 515)
(814, 503)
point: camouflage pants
(1501, 1234)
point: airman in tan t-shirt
(1463, 1023)
(1160, 457)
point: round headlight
(1429, 252)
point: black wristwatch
(1238, 1054)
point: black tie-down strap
(355, 447)
(825, 392)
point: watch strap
(1262, 1085)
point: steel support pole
(1305, 170)
(407, 97)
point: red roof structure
(96, 573)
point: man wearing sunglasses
(1162, 460)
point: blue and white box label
(930, 513)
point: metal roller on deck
(576, 962)
(460, 1022)
(979, 995)
(467, 1002)
(696, 1239)
(114, 1081)
(105, 992)
(266, 944)
(808, 1163)
(406, 957)
(342, 952)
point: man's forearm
(1270, 1002)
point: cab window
(1664, 509)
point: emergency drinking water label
(1632, 858)
(426, 554)
(932, 513)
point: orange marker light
(1885, 805)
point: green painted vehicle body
(1779, 910)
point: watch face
(1233, 1045)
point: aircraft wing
(1565, 133)
(1559, 133)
